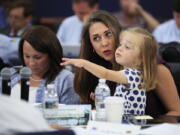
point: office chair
(170, 53)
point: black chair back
(175, 71)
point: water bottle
(50, 104)
(50, 97)
(101, 92)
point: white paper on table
(162, 129)
(115, 128)
(83, 131)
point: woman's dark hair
(84, 81)
(91, 3)
(25, 4)
(176, 5)
(43, 40)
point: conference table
(138, 120)
(127, 120)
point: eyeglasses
(13, 17)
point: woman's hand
(76, 62)
(135, 8)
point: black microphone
(6, 81)
(25, 73)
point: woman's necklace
(36, 80)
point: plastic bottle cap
(102, 80)
(50, 86)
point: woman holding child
(100, 40)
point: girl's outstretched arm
(97, 70)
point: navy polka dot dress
(134, 96)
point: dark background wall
(62, 8)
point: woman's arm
(65, 88)
(97, 70)
(167, 92)
(150, 20)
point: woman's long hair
(85, 82)
(148, 55)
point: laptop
(71, 51)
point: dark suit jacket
(6, 30)
(2, 64)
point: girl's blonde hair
(148, 55)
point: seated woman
(41, 51)
(138, 73)
(100, 38)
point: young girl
(137, 53)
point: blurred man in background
(170, 31)
(132, 14)
(19, 18)
(69, 32)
